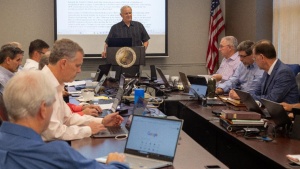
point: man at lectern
(128, 29)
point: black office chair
(3, 114)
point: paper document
(75, 83)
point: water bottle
(211, 87)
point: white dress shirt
(64, 124)
(31, 64)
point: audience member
(37, 48)
(30, 112)
(65, 63)
(246, 76)
(10, 60)
(80, 109)
(230, 61)
(278, 82)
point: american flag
(216, 26)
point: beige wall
(249, 20)
(26, 20)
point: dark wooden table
(189, 154)
(234, 150)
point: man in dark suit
(278, 82)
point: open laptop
(250, 103)
(108, 108)
(185, 82)
(199, 86)
(168, 87)
(277, 112)
(101, 81)
(151, 142)
(119, 42)
(102, 70)
(112, 131)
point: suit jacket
(279, 87)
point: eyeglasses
(221, 46)
(243, 56)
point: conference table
(205, 142)
(232, 149)
(189, 154)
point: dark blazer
(279, 87)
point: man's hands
(233, 95)
(286, 106)
(113, 119)
(92, 110)
(118, 157)
(96, 127)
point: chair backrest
(298, 83)
(3, 114)
(295, 68)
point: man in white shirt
(37, 48)
(65, 63)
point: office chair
(295, 68)
(298, 83)
(3, 114)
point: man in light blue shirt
(29, 98)
(246, 77)
(10, 60)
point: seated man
(230, 61)
(246, 76)
(80, 109)
(278, 82)
(65, 62)
(37, 48)
(10, 60)
(29, 99)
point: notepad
(295, 158)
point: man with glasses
(246, 76)
(37, 48)
(230, 61)
(10, 60)
(278, 82)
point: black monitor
(102, 70)
(119, 42)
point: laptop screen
(199, 89)
(163, 77)
(153, 137)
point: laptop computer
(296, 125)
(114, 106)
(98, 86)
(277, 112)
(185, 82)
(151, 142)
(199, 86)
(119, 42)
(102, 70)
(168, 87)
(250, 103)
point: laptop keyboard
(115, 130)
(105, 101)
(143, 162)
